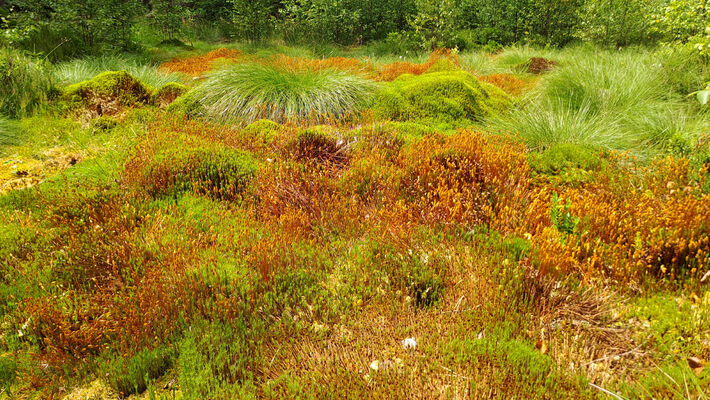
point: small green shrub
(106, 88)
(247, 92)
(440, 96)
(191, 165)
(561, 215)
(132, 375)
(167, 94)
(25, 84)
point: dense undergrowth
(190, 248)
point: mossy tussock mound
(446, 96)
(107, 93)
(168, 93)
(192, 165)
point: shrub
(107, 93)
(436, 23)
(190, 164)
(247, 92)
(25, 84)
(440, 96)
(317, 145)
(252, 18)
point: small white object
(375, 365)
(409, 343)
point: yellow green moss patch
(448, 96)
(107, 93)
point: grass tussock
(619, 101)
(247, 92)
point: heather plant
(247, 92)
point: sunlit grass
(83, 69)
(246, 92)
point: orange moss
(508, 83)
(390, 72)
(351, 65)
(198, 65)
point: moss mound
(107, 93)
(568, 163)
(167, 94)
(318, 144)
(448, 96)
(443, 65)
(191, 165)
(263, 130)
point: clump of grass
(25, 83)
(247, 92)
(620, 101)
(83, 69)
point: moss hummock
(167, 94)
(107, 93)
(448, 96)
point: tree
(253, 19)
(169, 17)
(436, 22)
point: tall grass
(620, 100)
(25, 83)
(246, 92)
(9, 134)
(79, 70)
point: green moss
(108, 87)
(263, 130)
(568, 163)
(167, 94)
(103, 124)
(190, 164)
(187, 105)
(132, 375)
(452, 96)
(443, 65)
